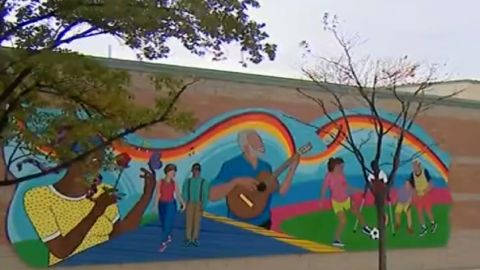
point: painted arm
(206, 189)
(411, 181)
(134, 217)
(429, 178)
(184, 188)
(411, 192)
(159, 193)
(324, 189)
(44, 222)
(64, 246)
(427, 175)
(220, 186)
(227, 180)
(219, 191)
(178, 194)
(285, 186)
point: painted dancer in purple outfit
(404, 203)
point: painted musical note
(191, 153)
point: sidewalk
(461, 254)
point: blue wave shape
(19, 227)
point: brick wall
(456, 129)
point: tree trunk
(380, 206)
(6, 194)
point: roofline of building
(238, 77)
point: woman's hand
(149, 179)
(182, 206)
(429, 189)
(296, 161)
(133, 219)
(103, 202)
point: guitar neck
(283, 167)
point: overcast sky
(435, 31)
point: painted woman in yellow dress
(68, 221)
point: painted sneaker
(397, 229)
(169, 239)
(187, 243)
(366, 230)
(423, 230)
(195, 243)
(338, 243)
(163, 247)
(433, 227)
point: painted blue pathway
(217, 240)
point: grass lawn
(320, 227)
(35, 254)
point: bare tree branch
(366, 79)
(87, 106)
(344, 128)
(10, 159)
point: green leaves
(143, 25)
(70, 90)
(170, 89)
(66, 98)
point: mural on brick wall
(215, 195)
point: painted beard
(256, 153)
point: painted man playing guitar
(242, 172)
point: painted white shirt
(381, 175)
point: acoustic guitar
(247, 203)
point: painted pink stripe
(280, 214)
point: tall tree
(366, 80)
(38, 72)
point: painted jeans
(167, 212)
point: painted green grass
(150, 218)
(320, 227)
(35, 254)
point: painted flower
(123, 160)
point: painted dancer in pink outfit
(336, 182)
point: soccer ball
(374, 234)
